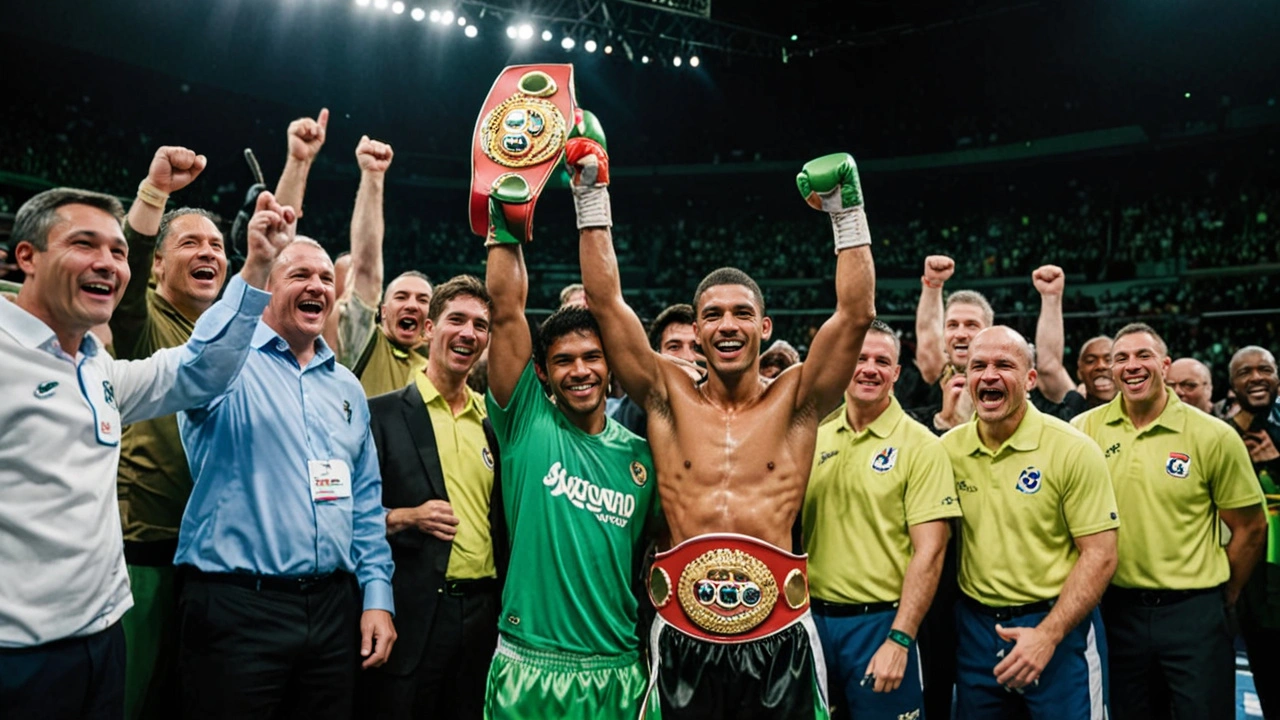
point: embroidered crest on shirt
(1029, 481)
(1179, 465)
(109, 394)
(638, 473)
(45, 390)
(487, 457)
(884, 460)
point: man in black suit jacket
(444, 522)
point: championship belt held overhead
(519, 141)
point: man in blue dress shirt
(285, 530)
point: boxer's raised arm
(931, 351)
(626, 345)
(510, 344)
(831, 184)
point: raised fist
(938, 269)
(585, 153)
(270, 229)
(373, 156)
(173, 168)
(830, 183)
(1049, 280)
(306, 136)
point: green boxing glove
(512, 189)
(587, 160)
(831, 184)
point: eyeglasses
(1185, 385)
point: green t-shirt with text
(576, 507)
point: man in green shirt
(183, 254)
(578, 489)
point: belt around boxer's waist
(1009, 612)
(729, 588)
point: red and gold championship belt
(729, 588)
(521, 132)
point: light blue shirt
(251, 508)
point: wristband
(925, 279)
(901, 638)
(151, 195)
(592, 204)
(850, 226)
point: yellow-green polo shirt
(1171, 478)
(389, 367)
(468, 478)
(1024, 505)
(865, 490)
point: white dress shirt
(62, 570)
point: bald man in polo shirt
(1176, 472)
(1037, 547)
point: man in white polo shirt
(61, 553)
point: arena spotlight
(644, 59)
(526, 31)
(397, 7)
(380, 4)
(418, 14)
(511, 32)
(608, 49)
(567, 43)
(462, 22)
(546, 36)
(446, 17)
(676, 61)
(693, 61)
(471, 31)
(589, 46)
(362, 3)
(434, 16)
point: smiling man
(1176, 472)
(881, 482)
(444, 522)
(1037, 547)
(286, 571)
(378, 332)
(183, 251)
(1192, 382)
(62, 648)
(579, 491)
(734, 453)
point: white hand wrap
(850, 226)
(592, 204)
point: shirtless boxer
(733, 637)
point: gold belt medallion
(523, 131)
(727, 591)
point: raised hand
(373, 156)
(1049, 280)
(831, 184)
(173, 168)
(270, 231)
(938, 269)
(587, 159)
(306, 136)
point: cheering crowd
(311, 490)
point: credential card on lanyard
(330, 479)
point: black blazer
(411, 475)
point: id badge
(330, 480)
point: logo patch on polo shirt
(1179, 465)
(109, 394)
(884, 460)
(45, 390)
(487, 457)
(1029, 481)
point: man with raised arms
(734, 637)
(577, 491)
